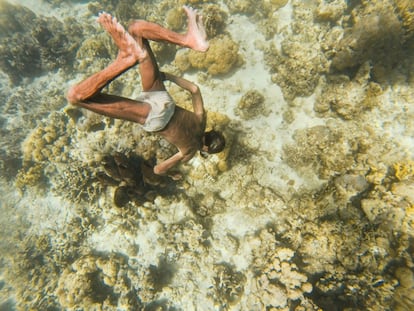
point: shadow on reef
(134, 178)
(162, 274)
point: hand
(175, 175)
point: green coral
(175, 18)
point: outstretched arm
(163, 167)
(197, 99)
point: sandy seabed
(310, 206)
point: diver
(154, 109)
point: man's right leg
(195, 38)
(142, 31)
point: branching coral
(76, 183)
(278, 283)
(97, 282)
(44, 143)
(404, 170)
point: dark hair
(214, 141)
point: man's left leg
(88, 94)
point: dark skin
(186, 128)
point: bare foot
(196, 36)
(129, 50)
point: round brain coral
(222, 56)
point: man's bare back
(155, 111)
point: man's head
(214, 142)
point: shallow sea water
(309, 207)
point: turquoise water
(309, 207)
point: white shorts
(162, 109)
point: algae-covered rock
(404, 295)
(330, 11)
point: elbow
(158, 171)
(195, 89)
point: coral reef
(37, 262)
(324, 148)
(319, 220)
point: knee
(73, 96)
(136, 27)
